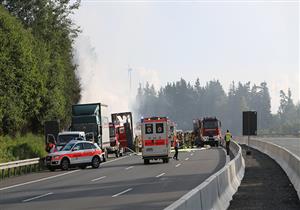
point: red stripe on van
(157, 142)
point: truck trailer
(93, 119)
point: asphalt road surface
(124, 183)
(292, 144)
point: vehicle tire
(146, 161)
(51, 168)
(95, 162)
(82, 166)
(65, 164)
(117, 153)
(165, 160)
(217, 144)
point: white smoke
(97, 83)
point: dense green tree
(41, 57)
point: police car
(76, 153)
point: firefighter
(51, 146)
(176, 147)
(227, 138)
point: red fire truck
(156, 139)
(211, 131)
(207, 131)
(117, 140)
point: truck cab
(211, 131)
(155, 139)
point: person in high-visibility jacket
(227, 138)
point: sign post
(249, 126)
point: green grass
(21, 147)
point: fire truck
(156, 139)
(211, 131)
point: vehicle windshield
(64, 139)
(68, 147)
(210, 124)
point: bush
(21, 147)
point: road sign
(250, 123)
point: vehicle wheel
(117, 153)
(95, 162)
(82, 166)
(146, 161)
(51, 168)
(167, 160)
(65, 164)
(217, 144)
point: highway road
(124, 183)
(292, 144)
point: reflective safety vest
(228, 136)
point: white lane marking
(121, 193)
(102, 177)
(52, 177)
(38, 180)
(178, 165)
(37, 197)
(130, 167)
(187, 158)
(160, 175)
(114, 160)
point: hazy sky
(163, 41)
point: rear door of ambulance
(155, 139)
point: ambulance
(156, 139)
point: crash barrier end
(288, 161)
(215, 192)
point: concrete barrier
(216, 192)
(289, 162)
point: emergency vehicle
(156, 139)
(211, 131)
(76, 153)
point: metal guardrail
(19, 167)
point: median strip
(160, 175)
(103, 177)
(121, 193)
(37, 197)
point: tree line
(38, 79)
(182, 102)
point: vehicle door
(155, 139)
(77, 154)
(161, 139)
(88, 152)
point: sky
(164, 40)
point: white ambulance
(156, 139)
